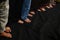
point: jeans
(25, 9)
(4, 9)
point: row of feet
(32, 13)
(7, 33)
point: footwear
(20, 21)
(4, 34)
(27, 20)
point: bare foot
(20, 21)
(28, 20)
(8, 35)
(39, 10)
(7, 29)
(32, 12)
(30, 15)
(48, 7)
(43, 9)
(53, 4)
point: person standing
(4, 10)
(25, 11)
